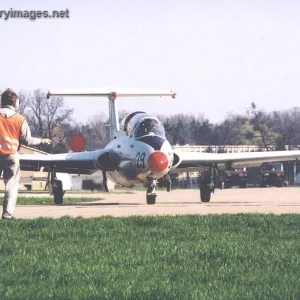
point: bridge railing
(225, 148)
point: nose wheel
(151, 198)
(151, 194)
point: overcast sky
(218, 56)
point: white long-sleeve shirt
(25, 135)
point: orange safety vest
(10, 129)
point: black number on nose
(140, 160)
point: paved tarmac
(178, 202)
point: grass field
(184, 257)
(49, 200)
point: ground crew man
(14, 131)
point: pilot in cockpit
(148, 127)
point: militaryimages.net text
(34, 14)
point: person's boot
(8, 217)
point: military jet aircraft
(140, 153)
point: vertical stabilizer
(114, 127)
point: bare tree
(99, 136)
(44, 115)
(23, 99)
(94, 131)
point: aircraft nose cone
(158, 161)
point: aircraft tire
(58, 192)
(151, 199)
(205, 193)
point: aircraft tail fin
(112, 93)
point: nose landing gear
(151, 193)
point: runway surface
(177, 202)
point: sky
(218, 56)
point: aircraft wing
(73, 163)
(194, 160)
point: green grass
(118, 190)
(183, 257)
(49, 200)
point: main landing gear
(207, 183)
(56, 188)
(105, 181)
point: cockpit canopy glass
(147, 127)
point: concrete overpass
(224, 148)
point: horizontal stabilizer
(106, 92)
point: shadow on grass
(99, 204)
(83, 204)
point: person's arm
(27, 139)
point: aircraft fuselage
(140, 160)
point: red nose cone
(158, 161)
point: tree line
(275, 130)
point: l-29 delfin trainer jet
(140, 153)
